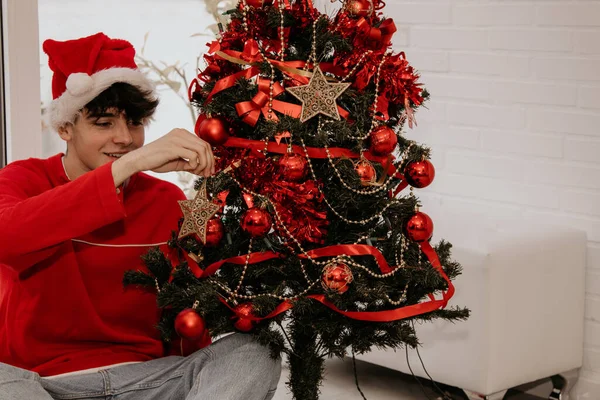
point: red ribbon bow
(250, 110)
(378, 36)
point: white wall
(514, 121)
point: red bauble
(336, 277)
(419, 227)
(258, 3)
(214, 232)
(256, 222)
(244, 312)
(365, 171)
(189, 325)
(293, 167)
(359, 8)
(212, 130)
(419, 174)
(383, 140)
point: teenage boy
(72, 224)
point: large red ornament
(365, 171)
(258, 3)
(214, 232)
(256, 222)
(293, 167)
(244, 312)
(383, 140)
(359, 8)
(189, 325)
(419, 174)
(419, 227)
(212, 130)
(336, 277)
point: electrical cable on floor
(445, 396)
(414, 376)
(356, 375)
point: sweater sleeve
(33, 226)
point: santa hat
(84, 68)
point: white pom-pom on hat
(79, 83)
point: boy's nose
(122, 134)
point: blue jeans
(232, 368)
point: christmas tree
(305, 237)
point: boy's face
(94, 140)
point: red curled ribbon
(351, 250)
(250, 110)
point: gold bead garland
(374, 119)
(368, 53)
(402, 298)
(235, 292)
(364, 191)
(281, 30)
(349, 221)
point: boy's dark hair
(137, 105)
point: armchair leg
(562, 384)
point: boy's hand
(178, 150)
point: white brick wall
(514, 121)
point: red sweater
(64, 247)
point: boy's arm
(32, 227)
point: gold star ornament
(319, 96)
(196, 214)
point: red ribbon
(313, 152)
(351, 250)
(250, 110)
(286, 67)
(230, 80)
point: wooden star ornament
(196, 214)
(319, 96)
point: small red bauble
(365, 171)
(293, 167)
(189, 325)
(419, 227)
(336, 277)
(212, 130)
(244, 312)
(256, 222)
(383, 140)
(214, 232)
(419, 174)
(359, 8)
(258, 3)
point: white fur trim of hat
(83, 88)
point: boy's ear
(66, 132)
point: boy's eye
(135, 123)
(103, 124)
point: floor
(377, 383)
